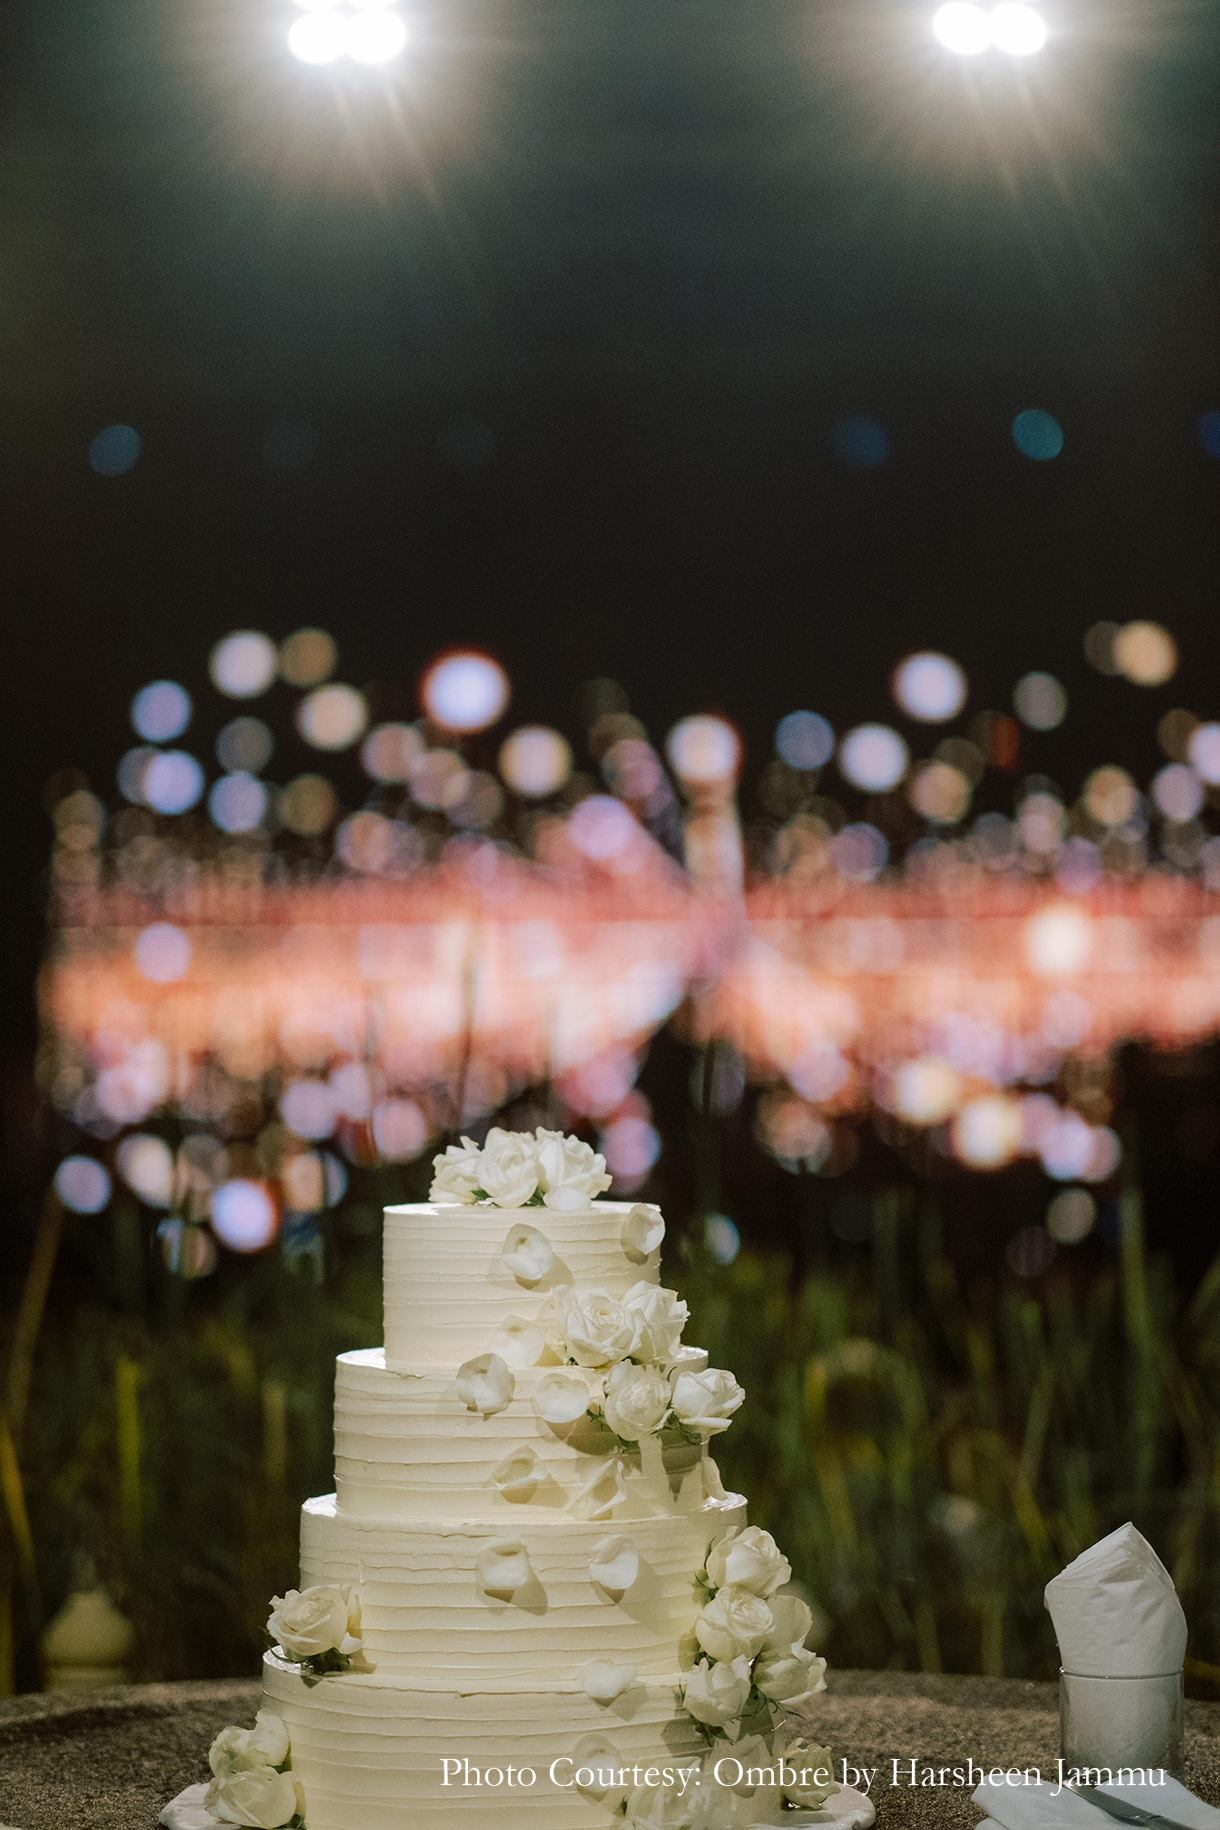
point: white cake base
(846, 1809)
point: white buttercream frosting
(407, 1445)
(449, 1286)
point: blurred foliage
(927, 1456)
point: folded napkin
(1045, 1807)
(1116, 1611)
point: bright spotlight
(375, 36)
(965, 30)
(1017, 30)
(318, 37)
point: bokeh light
(536, 761)
(601, 827)
(1040, 702)
(1017, 30)
(162, 952)
(987, 1131)
(243, 1215)
(926, 1091)
(480, 804)
(873, 757)
(860, 853)
(1058, 940)
(1037, 434)
(400, 1130)
(308, 1108)
(721, 1238)
(389, 750)
(332, 717)
(1204, 753)
(1071, 1216)
(1178, 791)
(962, 29)
(130, 773)
(318, 37)
(631, 1146)
(114, 450)
(146, 1164)
(308, 805)
(1145, 653)
(703, 750)
(161, 711)
(861, 442)
(308, 657)
(243, 665)
(245, 743)
(465, 691)
(238, 802)
(171, 782)
(940, 793)
(1110, 796)
(82, 1184)
(804, 740)
(929, 687)
(439, 779)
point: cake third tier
(450, 1287)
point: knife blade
(1126, 1814)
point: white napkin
(1033, 1807)
(1116, 1611)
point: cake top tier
(462, 1269)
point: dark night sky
(658, 249)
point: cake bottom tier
(371, 1752)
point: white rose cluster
(752, 1640)
(520, 1169)
(251, 1780)
(318, 1627)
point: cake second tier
(406, 1446)
(433, 1605)
(449, 1286)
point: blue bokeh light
(114, 450)
(1208, 431)
(861, 442)
(161, 711)
(1037, 434)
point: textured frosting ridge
(407, 1446)
(448, 1288)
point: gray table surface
(109, 1760)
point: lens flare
(1018, 31)
(318, 37)
(965, 30)
(375, 36)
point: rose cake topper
(520, 1169)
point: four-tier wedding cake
(529, 1599)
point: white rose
(790, 1677)
(559, 1398)
(662, 1316)
(636, 1402)
(260, 1797)
(597, 1330)
(749, 1559)
(733, 1623)
(717, 1693)
(236, 1749)
(456, 1175)
(307, 1622)
(814, 1774)
(793, 1620)
(570, 1173)
(508, 1167)
(705, 1401)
